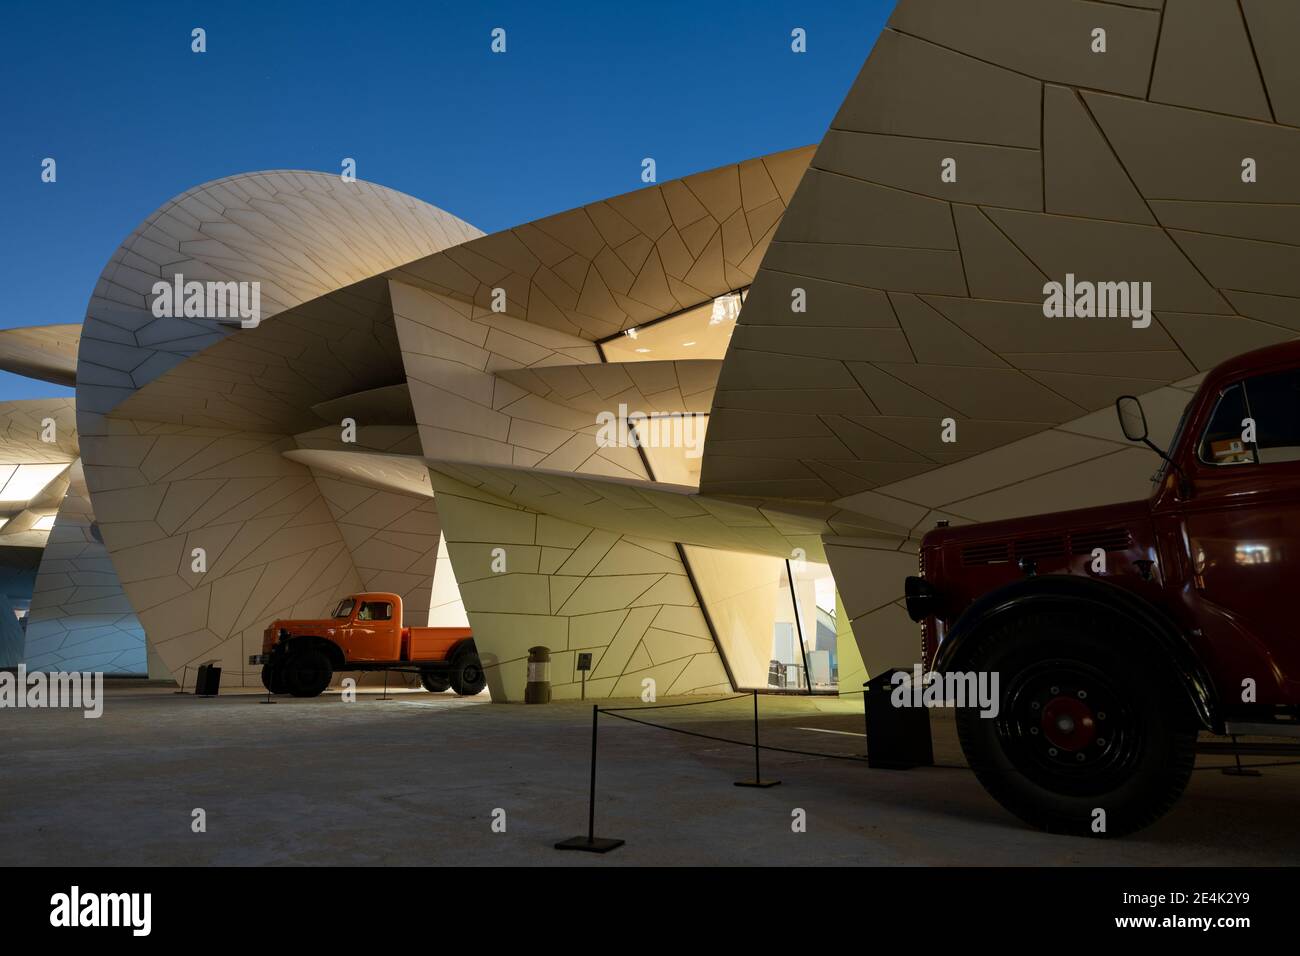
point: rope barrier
(1248, 766)
(851, 757)
(592, 843)
(728, 740)
(745, 743)
(691, 703)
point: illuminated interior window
(699, 333)
(773, 638)
(814, 590)
(27, 481)
(748, 598)
(674, 447)
(44, 523)
(775, 620)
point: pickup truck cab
(365, 633)
(1120, 632)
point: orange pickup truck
(365, 633)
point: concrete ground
(416, 780)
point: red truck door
(373, 634)
(1241, 525)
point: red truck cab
(1117, 633)
(365, 632)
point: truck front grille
(1108, 539)
(1039, 548)
(996, 553)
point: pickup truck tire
(1086, 721)
(467, 676)
(433, 682)
(306, 672)
(273, 679)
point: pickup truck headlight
(922, 600)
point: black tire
(434, 682)
(467, 675)
(306, 672)
(273, 679)
(1087, 720)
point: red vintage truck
(1120, 632)
(365, 633)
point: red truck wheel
(433, 682)
(306, 672)
(1082, 725)
(467, 677)
(272, 679)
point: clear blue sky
(410, 89)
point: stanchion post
(591, 843)
(385, 696)
(758, 780)
(184, 674)
(1239, 770)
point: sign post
(584, 665)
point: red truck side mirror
(1133, 423)
(1132, 417)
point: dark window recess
(1275, 405)
(1108, 539)
(375, 611)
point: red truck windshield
(344, 609)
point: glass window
(344, 609)
(749, 603)
(1222, 443)
(375, 611)
(1274, 402)
(702, 332)
(775, 620)
(814, 592)
(674, 446)
(773, 637)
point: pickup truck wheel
(1080, 727)
(273, 679)
(467, 677)
(433, 682)
(307, 673)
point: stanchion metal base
(1242, 772)
(757, 783)
(594, 845)
(267, 701)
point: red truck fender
(1087, 594)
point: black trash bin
(898, 738)
(208, 682)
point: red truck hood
(1128, 513)
(314, 624)
(964, 563)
